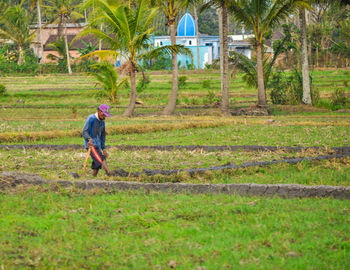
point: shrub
(3, 91)
(289, 89)
(194, 101)
(142, 84)
(338, 98)
(82, 66)
(315, 96)
(207, 66)
(206, 83)
(14, 68)
(182, 81)
(278, 85)
(210, 98)
(48, 68)
(186, 101)
(162, 62)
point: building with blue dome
(187, 26)
(209, 46)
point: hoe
(76, 175)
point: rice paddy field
(51, 227)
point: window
(190, 42)
(161, 43)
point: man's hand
(90, 143)
(105, 153)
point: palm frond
(247, 66)
(107, 77)
(167, 50)
(103, 55)
(281, 10)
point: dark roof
(76, 44)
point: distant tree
(208, 22)
(341, 44)
(58, 46)
(14, 26)
(38, 4)
(261, 15)
(195, 6)
(171, 9)
(304, 58)
(61, 13)
(222, 6)
(249, 66)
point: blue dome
(187, 26)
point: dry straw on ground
(198, 122)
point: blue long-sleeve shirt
(94, 129)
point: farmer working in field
(94, 134)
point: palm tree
(14, 26)
(38, 4)
(195, 7)
(171, 9)
(261, 15)
(304, 58)
(107, 77)
(248, 66)
(63, 12)
(221, 6)
(58, 46)
(127, 34)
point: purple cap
(105, 109)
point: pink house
(50, 34)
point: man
(94, 134)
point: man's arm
(103, 138)
(86, 131)
(103, 141)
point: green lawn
(43, 228)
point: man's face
(101, 115)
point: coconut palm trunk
(260, 74)
(225, 106)
(67, 48)
(20, 54)
(304, 59)
(130, 110)
(219, 12)
(170, 108)
(197, 37)
(41, 50)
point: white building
(209, 46)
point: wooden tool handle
(86, 160)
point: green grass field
(63, 91)
(55, 228)
(56, 106)
(44, 228)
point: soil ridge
(13, 179)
